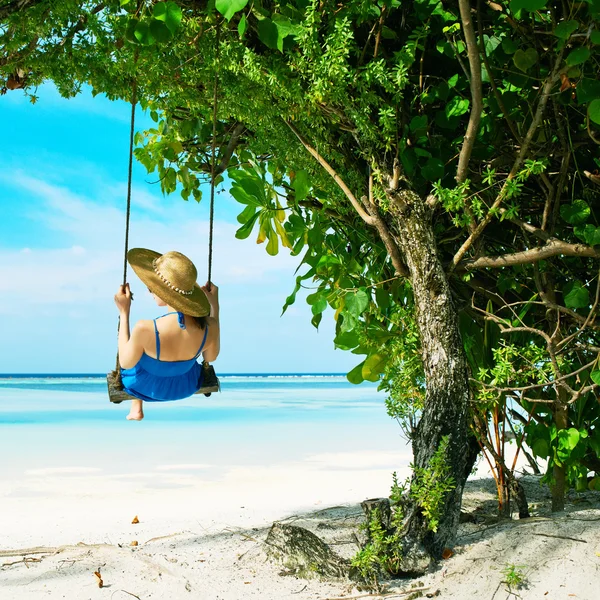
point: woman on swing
(159, 359)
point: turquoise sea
(54, 420)
(268, 445)
(59, 399)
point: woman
(158, 360)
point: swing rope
(128, 211)
(213, 156)
(118, 379)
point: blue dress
(156, 380)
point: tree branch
(355, 203)
(81, 24)
(386, 238)
(475, 82)
(535, 123)
(231, 145)
(553, 247)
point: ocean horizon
(25, 375)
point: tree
(433, 163)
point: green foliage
(383, 552)
(228, 8)
(514, 577)
(431, 484)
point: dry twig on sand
(24, 560)
(386, 595)
(125, 592)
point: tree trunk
(445, 366)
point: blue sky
(63, 173)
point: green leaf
(578, 56)
(576, 295)
(160, 31)
(576, 213)
(590, 234)
(168, 12)
(373, 367)
(245, 230)
(242, 26)
(419, 122)
(594, 484)
(491, 43)
(246, 214)
(349, 322)
(456, 107)
(565, 29)
(587, 90)
(594, 442)
(525, 59)
(301, 185)
(594, 111)
(509, 46)
(541, 448)
(382, 297)
(273, 243)
(595, 375)
(284, 28)
(528, 5)
(130, 30)
(433, 170)
(268, 33)
(319, 306)
(228, 8)
(313, 298)
(568, 439)
(356, 302)
(595, 37)
(355, 376)
(346, 340)
(143, 34)
(316, 320)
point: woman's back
(168, 369)
(177, 337)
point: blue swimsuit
(156, 380)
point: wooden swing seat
(117, 395)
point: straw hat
(172, 277)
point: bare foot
(136, 413)
(135, 416)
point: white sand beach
(207, 483)
(202, 536)
(209, 551)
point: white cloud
(87, 265)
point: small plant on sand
(383, 552)
(431, 484)
(514, 577)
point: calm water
(53, 421)
(62, 399)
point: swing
(211, 383)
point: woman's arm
(131, 347)
(213, 345)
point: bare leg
(136, 413)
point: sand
(223, 558)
